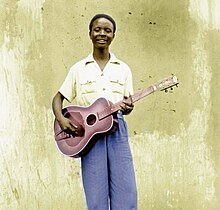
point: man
(107, 170)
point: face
(102, 33)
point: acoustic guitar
(97, 119)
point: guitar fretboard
(112, 108)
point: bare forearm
(57, 105)
(65, 123)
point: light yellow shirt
(86, 82)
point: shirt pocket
(88, 86)
(117, 85)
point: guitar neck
(131, 99)
(163, 84)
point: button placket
(103, 82)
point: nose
(102, 32)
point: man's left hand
(127, 106)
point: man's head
(102, 31)
(97, 16)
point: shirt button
(102, 74)
(103, 89)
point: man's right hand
(67, 126)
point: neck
(101, 54)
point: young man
(107, 170)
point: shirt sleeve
(129, 84)
(68, 88)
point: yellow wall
(174, 136)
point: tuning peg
(166, 90)
(171, 88)
(177, 84)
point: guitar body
(89, 127)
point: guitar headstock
(166, 83)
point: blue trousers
(108, 172)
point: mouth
(101, 41)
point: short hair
(97, 16)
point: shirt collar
(113, 59)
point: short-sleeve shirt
(86, 82)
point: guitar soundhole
(91, 119)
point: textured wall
(174, 136)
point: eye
(108, 30)
(96, 29)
